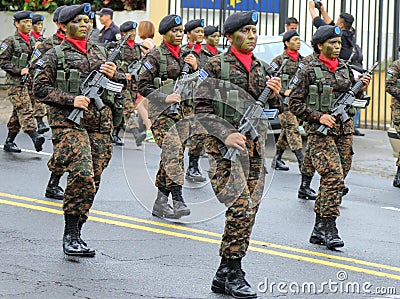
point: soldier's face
(244, 40)
(24, 26)
(196, 35)
(79, 27)
(37, 27)
(331, 47)
(174, 36)
(132, 32)
(293, 44)
(213, 39)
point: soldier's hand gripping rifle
(251, 117)
(95, 84)
(346, 100)
(183, 83)
(292, 82)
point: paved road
(140, 256)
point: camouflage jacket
(201, 59)
(392, 83)
(8, 50)
(207, 54)
(61, 102)
(253, 83)
(340, 81)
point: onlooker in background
(291, 24)
(110, 32)
(146, 33)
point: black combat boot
(116, 140)
(139, 136)
(89, 251)
(236, 285)
(218, 282)
(161, 208)
(305, 191)
(9, 145)
(37, 140)
(277, 162)
(71, 243)
(180, 208)
(299, 156)
(332, 238)
(396, 181)
(193, 172)
(318, 233)
(53, 190)
(42, 127)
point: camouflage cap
(169, 22)
(127, 26)
(23, 15)
(208, 30)
(70, 12)
(37, 18)
(240, 19)
(57, 13)
(289, 34)
(189, 26)
(326, 32)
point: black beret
(326, 32)
(189, 26)
(289, 34)
(127, 26)
(70, 12)
(348, 18)
(37, 18)
(23, 15)
(57, 13)
(208, 30)
(240, 19)
(169, 22)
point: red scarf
(78, 43)
(24, 36)
(212, 49)
(245, 59)
(332, 64)
(175, 50)
(294, 55)
(130, 43)
(60, 35)
(36, 35)
(197, 48)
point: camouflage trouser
(195, 143)
(170, 135)
(239, 185)
(396, 121)
(22, 114)
(39, 108)
(332, 157)
(290, 135)
(84, 156)
(307, 167)
(130, 119)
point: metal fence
(376, 24)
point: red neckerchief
(130, 43)
(78, 43)
(332, 64)
(197, 48)
(60, 35)
(36, 35)
(175, 50)
(212, 49)
(24, 36)
(294, 55)
(245, 59)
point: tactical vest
(124, 65)
(226, 102)
(162, 79)
(19, 59)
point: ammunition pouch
(320, 101)
(118, 109)
(68, 82)
(21, 61)
(285, 81)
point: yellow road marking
(208, 240)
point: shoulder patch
(37, 54)
(295, 80)
(147, 65)
(3, 46)
(40, 62)
(203, 75)
(390, 71)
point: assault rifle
(135, 66)
(346, 100)
(251, 117)
(95, 84)
(292, 82)
(183, 83)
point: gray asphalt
(140, 256)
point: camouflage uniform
(332, 154)
(170, 172)
(393, 88)
(22, 114)
(207, 53)
(83, 151)
(240, 191)
(290, 135)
